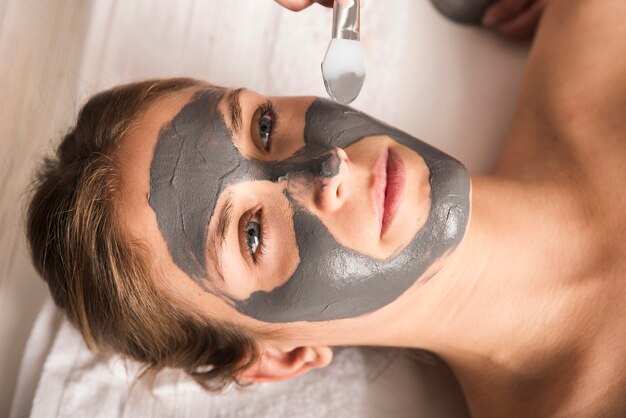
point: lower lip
(394, 189)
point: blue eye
(253, 237)
(254, 233)
(266, 122)
(265, 130)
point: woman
(239, 236)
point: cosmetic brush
(343, 68)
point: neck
(490, 310)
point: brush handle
(462, 11)
(347, 19)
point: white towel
(75, 382)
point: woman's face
(291, 208)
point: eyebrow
(224, 219)
(234, 108)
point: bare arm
(573, 99)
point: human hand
(297, 5)
(515, 19)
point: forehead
(192, 159)
(138, 146)
(136, 149)
(164, 162)
(134, 157)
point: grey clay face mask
(195, 160)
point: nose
(331, 189)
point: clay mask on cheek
(195, 161)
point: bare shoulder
(570, 124)
(567, 148)
(573, 98)
(579, 59)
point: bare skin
(530, 310)
(563, 164)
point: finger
(502, 10)
(295, 5)
(523, 25)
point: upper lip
(380, 173)
(389, 187)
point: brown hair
(96, 273)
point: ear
(275, 365)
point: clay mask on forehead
(195, 160)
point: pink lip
(389, 188)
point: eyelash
(262, 246)
(266, 110)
